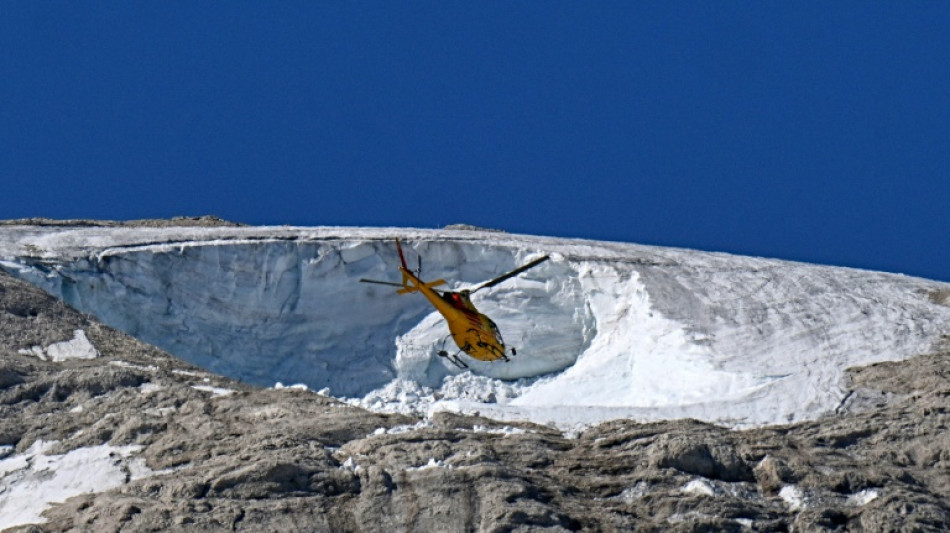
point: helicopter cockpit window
(454, 299)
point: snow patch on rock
(793, 497)
(298, 387)
(863, 497)
(433, 463)
(32, 481)
(215, 391)
(78, 348)
(699, 487)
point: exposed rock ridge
(204, 220)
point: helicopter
(473, 332)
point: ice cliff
(603, 330)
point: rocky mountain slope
(196, 451)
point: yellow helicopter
(473, 332)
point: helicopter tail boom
(410, 280)
(407, 288)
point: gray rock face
(227, 456)
(714, 459)
(205, 221)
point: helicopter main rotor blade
(513, 273)
(364, 280)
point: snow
(863, 497)
(699, 487)
(149, 388)
(433, 463)
(78, 348)
(215, 391)
(294, 387)
(133, 366)
(792, 496)
(396, 430)
(188, 373)
(603, 330)
(351, 465)
(635, 492)
(30, 482)
(504, 431)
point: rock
(469, 227)
(692, 454)
(205, 220)
(30, 317)
(9, 376)
(941, 297)
(772, 474)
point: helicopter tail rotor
(410, 279)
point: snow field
(603, 330)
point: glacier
(604, 330)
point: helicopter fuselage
(473, 332)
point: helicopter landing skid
(454, 359)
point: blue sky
(815, 131)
